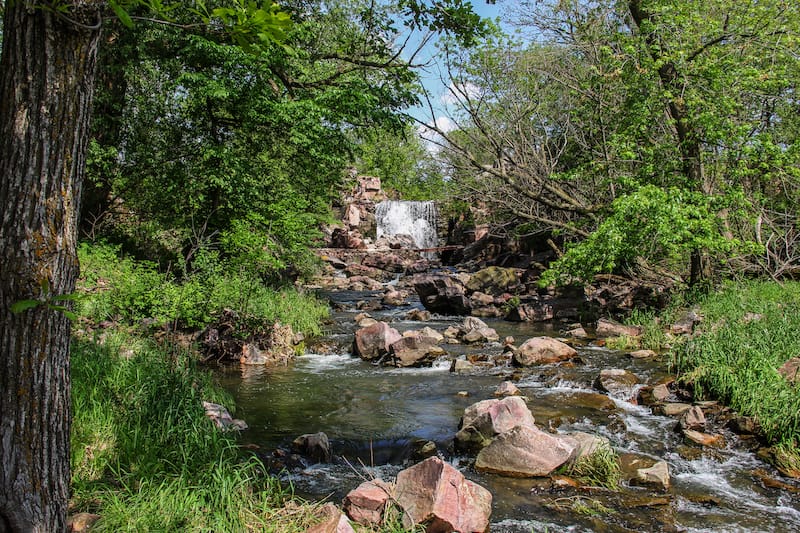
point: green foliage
(143, 454)
(403, 164)
(660, 130)
(120, 288)
(748, 331)
(651, 223)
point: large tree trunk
(46, 83)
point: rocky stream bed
(381, 419)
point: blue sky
(432, 73)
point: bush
(120, 288)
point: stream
(373, 416)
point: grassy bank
(748, 331)
(144, 456)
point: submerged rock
(437, 495)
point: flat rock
(611, 328)
(704, 439)
(526, 451)
(616, 381)
(657, 475)
(643, 354)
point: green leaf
(121, 13)
(24, 305)
(67, 313)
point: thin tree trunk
(686, 133)
(46, 83)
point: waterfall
(418, 219)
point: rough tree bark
(46, 85)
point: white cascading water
(400, 217)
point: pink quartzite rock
(373, 341)
(543, 350)
(484, 420)
(526, 452)
(437, 495)
(612, 328)
(366, 503)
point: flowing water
(373, 416)
(418, 219)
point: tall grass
(145, 457)
(748, 331)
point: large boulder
(493, 280)
(442, 294)
(484, 420)
(374, 341)
(415, 350)
(543, 350)
(366, 503)
(526, 451)
(437, 495)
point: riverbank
(745, 353)
(144, 455)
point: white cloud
(458, 91)
(433, 139)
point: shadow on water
(375, 415)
